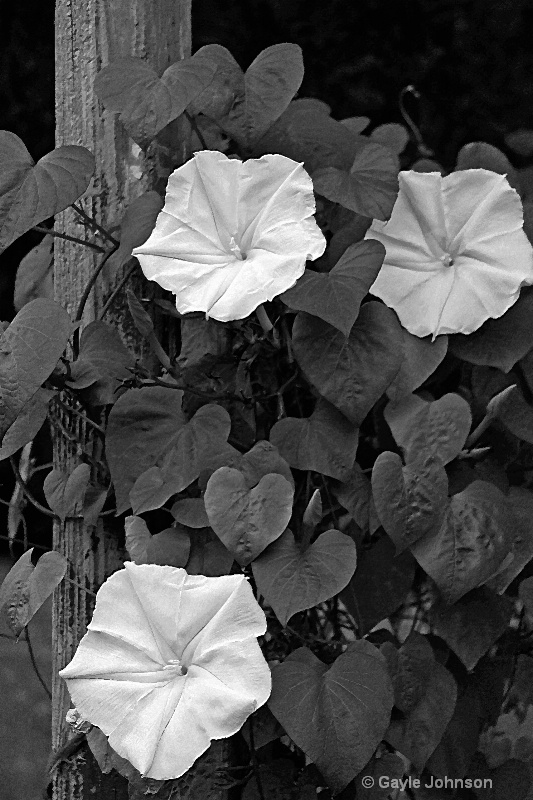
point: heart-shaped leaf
(261, 460)
(102, 363)
(190, 449)
(421, 357)
(410, 668)
(247, 520)
(391, 135)
(208, 555)
(336, 296)
(325, 442)
(417, 735)
(337, 715)
(65, 494)
(369, 187)
(146, 102)
(136, 226)
(30, 348)
(476, 535)
(521, 501)
(30, 193)
(137, 538)
(169, 547)
(316, 139)
(410, 501)
(435, 431)
(499, 342)
(26, 587)
(190, 512)
(27, 424)
(355, 495)
(380, 583)
(246, 105)
(351, 373)
(291, 581)
(139, 427)
(35, 274)
(472, 624)
(482, 155)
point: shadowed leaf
(337, 715)
(30, 193)
(30, 348)
(369, 187)
(247, 519)
(410, 501)
(325, 442)
(146, 102)
(26, 587)
(292, 581)
(351, 373)
(336, 296)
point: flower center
(236, 250)
(175, 666)
(447, 260)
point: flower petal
(221, 691)
(479, 205)
(232, 234)
(151, 621)
(417, 297)
(456, 252)
(140, 623)
(261, 277)
(215, 611)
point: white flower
(456, 252)
(169, 662)
(232, 233)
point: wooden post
(89, 35)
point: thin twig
(92, 280)
(94, 225)
(117, 289)
(79, 586)
(154, 381)
(26, 490)
(34, 664)
(84, 417)
(58, 235)
(194, 125)
(5, 538)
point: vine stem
(26, 490)
(116, 290)
(263, 319)
(92, 280)
(94, 225)
(194, 125)
(79, 586)
(34, 664)
(59, 235)
(422, 147)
